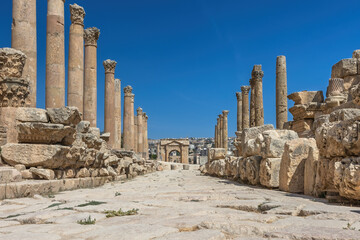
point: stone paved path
(178, 205)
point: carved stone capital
(139, 111)
(225, 113)
(77, 14)
(239, 96)
(12, 63)
(145, 116)
(109, 66)
(245, 90)
(91, 36)
(128, 91)
(14, 92)
(257, 73)
(336, 87)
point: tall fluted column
(257, 75)
(55, 55)
(132, 128)
(239, 111)
(91, 36)
(140, 131)
(135, 149)
(23, 38)
(281, 92)
(245, 106)
(117, 114)
(225, 129)
(218, 133)
(215, 136)
(145, 135)
(127, 124)
(252, 103)
(76, 58)
(109, 117)
(221, 142)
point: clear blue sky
(186, 59)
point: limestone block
(303, 111)
(59, 174)
(273, 141)
(82, 173)
(320, 120)
(86, 182)
(345, 67)
(344, 114)
(242, 169)
(325, 175)
(249, 147)
(306, 97)
(65, 115)
(253, 169)
(252, 147)
(71, 184)
(83, 127)
(26, 174)
(291, 177)
(2, 191)
(103, 172)
(95, 131)
(31, 115)
(347, 177)
(111, 171)
(46, 133)
(20, 167)
(33, 155)
(350, 81)
(217, 153)
(47, 174)
(310, 171)
(19, 190)
(70, 173)
(269, 172)
(302, 125)
(12, 63)
(9, 174)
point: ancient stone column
(23, 38)
(117, 144)
(109, 116)
(91, 36)
(252, 103)
(225, 129)
(221, 142)
(75, 91)
(55, 55)
(239, 111)
(281, 92)
(135, 143)
(257, 75)
(215, 136)
(245, 106)
(140, 131)
(145, 135)
(127, 124)
(132, 121)
(218, 133)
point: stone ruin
(317, 153)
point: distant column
(55, 55)
(109, 66)
(132, 121)
(91, 36)
(23, 38)
(225, 129)
(221, 142)
(127, 125)
(281, 92)
(218, 132)
(239, 111)
(117, 114)
(140, 131)
(135, 143)
(252, 103)
(257, 76)
(76, 58)
(245, 106)
(145, 135)
(215, 136)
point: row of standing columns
(252, 114)
(221, 130)
(82, 71)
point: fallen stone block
(43, 173)
(347, 177)
(31, 115)
(310, 170)
(65, 115)
(269, 172)
(253, 169)
(306, 97)
(345, 67)
(217, 153)
(273, 141)
(9, 174)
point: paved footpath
(177, 204)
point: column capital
(91, 36)
(225, 113)
(245, 90)
(139, 111)
(239, 96)
(128, 91)
(145, 116)
(109, 66)
(220, 116)
(257, 73)
(77, 14)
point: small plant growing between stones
(120, 213)
(117, 194)
(87, 221)
(90, 203)
(349, 227)
(54, 205)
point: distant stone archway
(166, 146)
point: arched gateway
(167, 146)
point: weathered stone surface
(216, 168)
(269, 172)
(47, 174)
(12, 63)
(70, 173)
(9, 174)
(248, 137)
(344, 114)
(217, 153)
(306, 97)
(273, 141)
(83, 127)
(345, 67)
(325, 175)
(31, 115)
(65, 115)
(83, 173)
(33, 155)
(46, 133)
(310, 170)
(14, 92)
(291, 177)
(26, 174)
(253, 169)
(347, 177)
(242, 169)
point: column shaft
(23, 38)
(135, 134)
(257, 76)
(117, 144)
(76, 58)
(245, 106)
(239, 111)
(225, 129)
(215, 136)
(55, 55)
(140, 131)
(127, 125)
(221, 142)
(145, 135)
(252, 104)
(281, 92)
